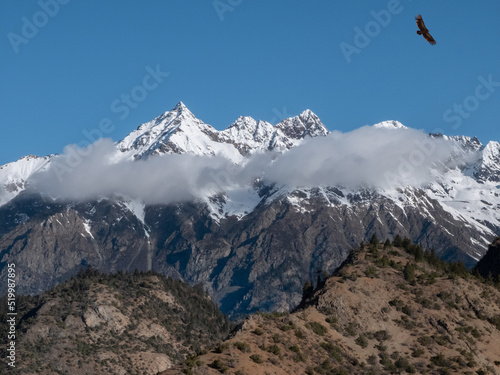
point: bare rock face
(72, 322)
(106, 314)
(152, 363)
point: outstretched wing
(421, 24)
(429, 37)
(423, 30)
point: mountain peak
(243, 122)
(391, 124)
(179, 107)
(305, 124)
(308, 114)
(152, 137)
(488, 168)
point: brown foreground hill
(390, 308)
(386, 310)
(140, 323)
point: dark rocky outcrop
(489, 265)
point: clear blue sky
(255, 59)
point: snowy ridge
(390, 125)
(488, 167)
(248, 135)
(307, 124)
(179, 131)
(176, 131)
(13, 176)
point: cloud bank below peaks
(162, 179)
(368, 156)
(380, 158)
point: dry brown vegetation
(139, 323)
(387, 310)
(390, 308)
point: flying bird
(423, 30)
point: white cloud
(366, 156)
(164, 179)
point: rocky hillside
(139, 323)
(387, 310)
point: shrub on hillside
(317, 328)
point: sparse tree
(406, 243)
(307, 291)
(398, 241)
(419, 253)
(409, 272)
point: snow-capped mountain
(390, 125)
(179, 131)
(242, 241)
(307, 124)
(488, 167)
(249, 135)
(175, 131)
(13, 176)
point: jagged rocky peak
(245, 127)
(305, 124)
(27, 159)
(488, 168)
(30, 157)
(175, 131)
(179, 107)
(181, 111)
(243, 122)
(469, 143)
(179, 131)
(248, 135)
(250, 125)
(491, 151)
